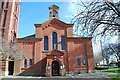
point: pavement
(35, 78)
(94, 76)
(88, 76)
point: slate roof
(30, 36)
(53, 6)
(76, 36)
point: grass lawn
(111, 69)
(114, 77)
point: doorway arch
(11, 68)
(55, 68)
(11, 65)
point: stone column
(1, 63)
(6, 67)
(28, 63)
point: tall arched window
(45, 42)
(78, 61)
(63, 47)
(84, 59)
(54, 40)
(25, 63)
(31, 62)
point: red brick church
(53, 50)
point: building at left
(9, 19)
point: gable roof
(52, 21)
(55, 53)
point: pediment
(55, 22)
(55, 53)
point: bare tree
(106, 54)
(97, 58)
(99, 19)
(110, 50)
(15, 51)
(4, 48)
(114, 48)
(97, 52)
(10, 50)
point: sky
(37, 12)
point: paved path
(36, 78)
(94, 76)
(89, 76)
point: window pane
(25, 63)
(78, 61)
(54, 14)
(31, 62)
(63, 47)
(54, 40)
(84, 60)
(45, 43)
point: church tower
(53, 12)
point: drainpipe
(0, 39)
(0, 12)
(86, 56)
(67, 52)
(0, 16)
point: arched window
(45, 42)
(78, 61)
(25, 63)
(54, 14)
(63, 47)
(54, 40)
(84, 60)
(14, 36)
(31, 62)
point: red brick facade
(9, 19)
(76, 56)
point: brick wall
(81, 47)
(75, 47)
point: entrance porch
(55, 63)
